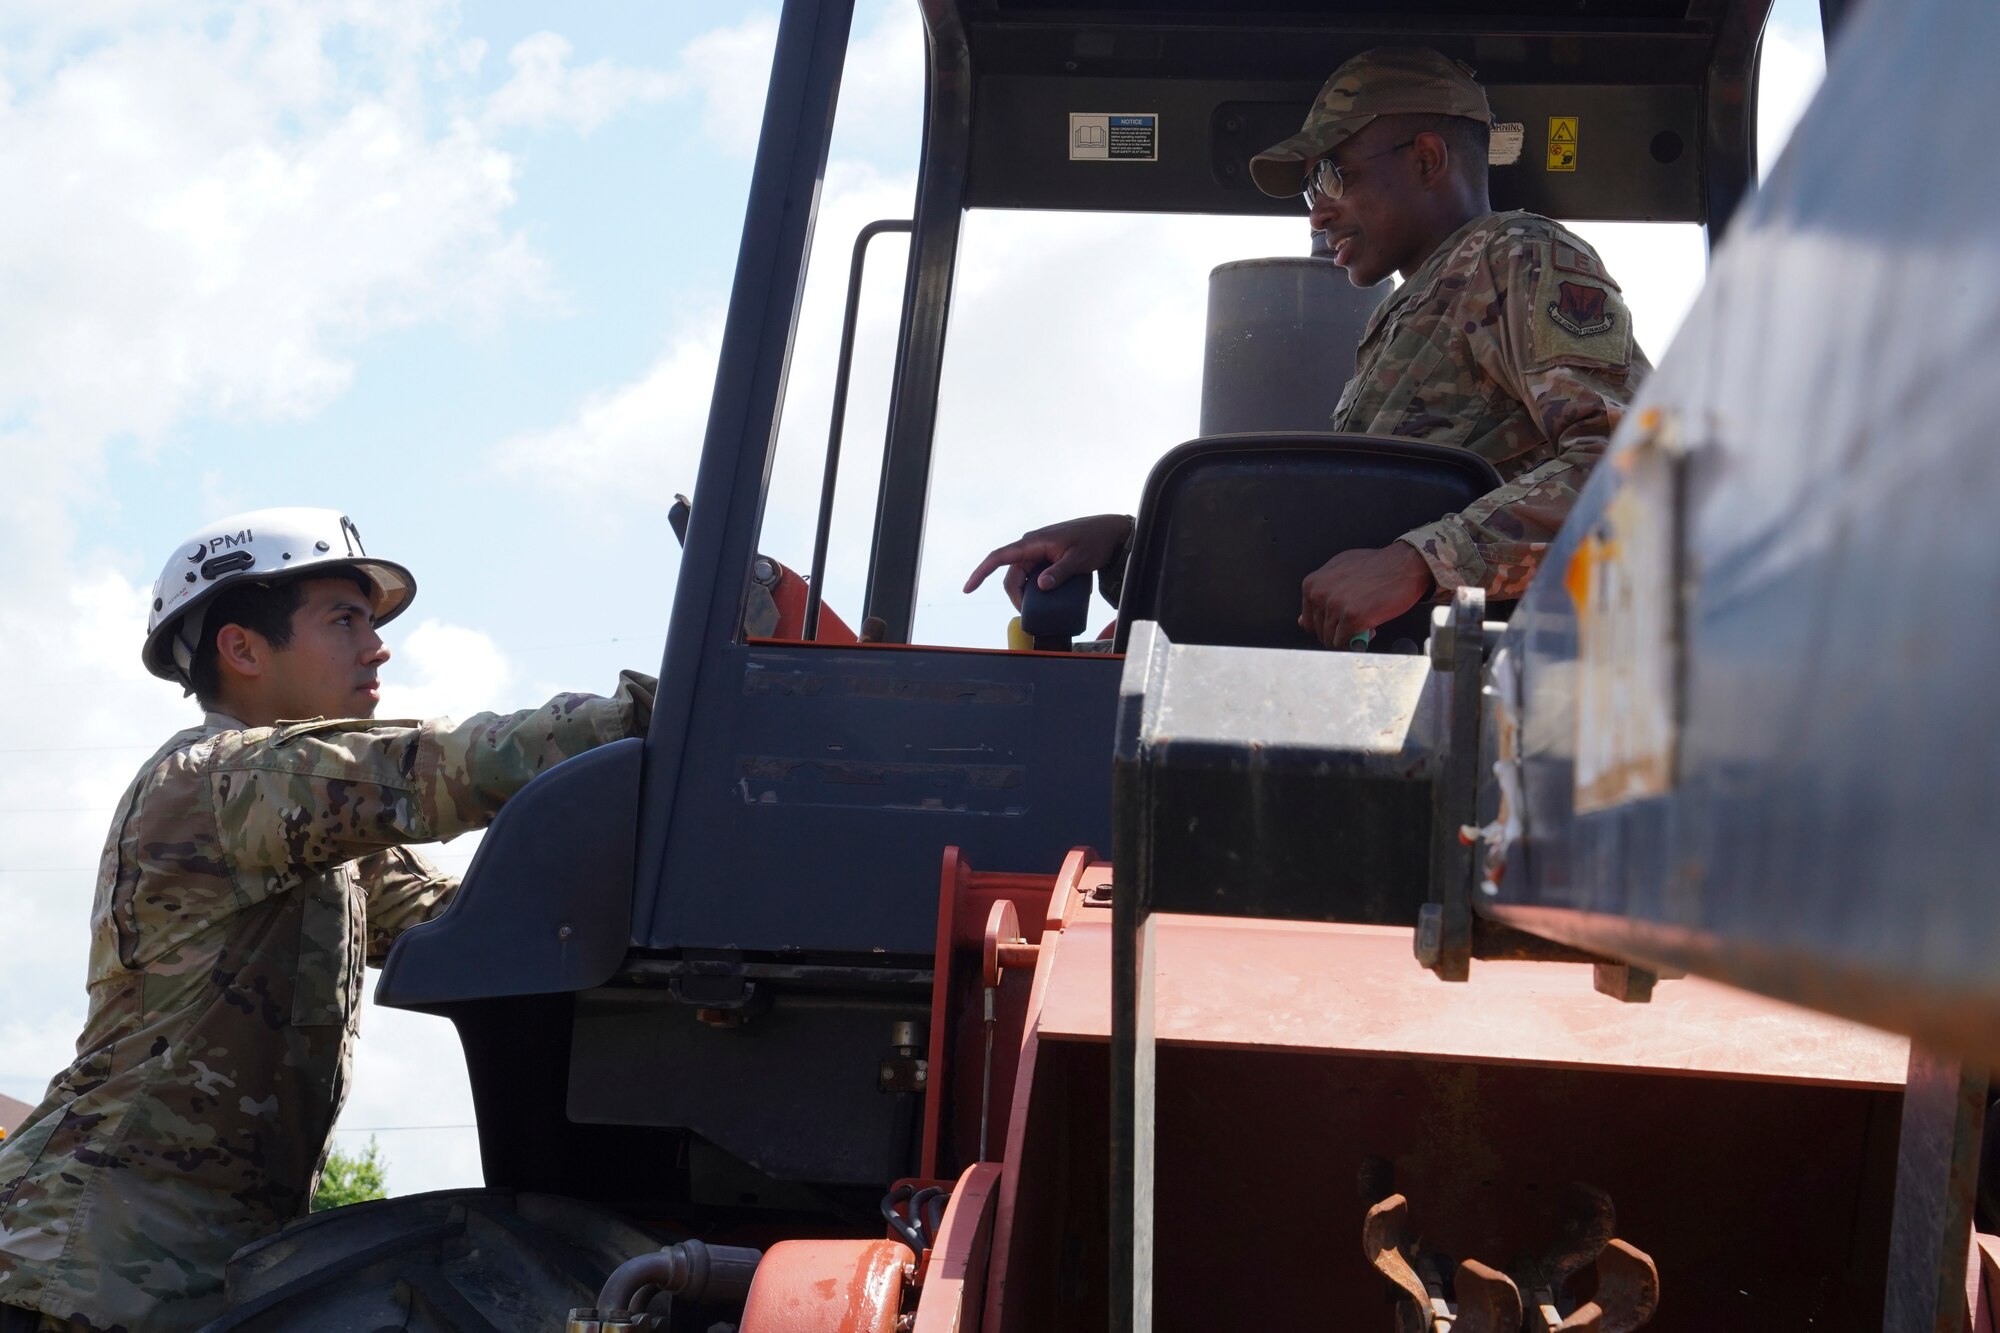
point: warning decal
(1131, 136)
(1562, 143)
(1504, 147)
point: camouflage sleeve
(325, 792)
(403, 890)
(1564, 348)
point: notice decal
(1112, 136)
(1562, 143)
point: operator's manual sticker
(1131, 136)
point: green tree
(351, 1177)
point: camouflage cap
(1386, 81)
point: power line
(562, 647)
(54, 809)
(71, 749)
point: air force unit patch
(1582, 309)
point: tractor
(1618, 959)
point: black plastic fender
(546, 905)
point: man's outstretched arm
(1078, 546)
(318, 794)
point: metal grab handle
(839, 423)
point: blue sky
(460, 271)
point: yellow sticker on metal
(1562, 143)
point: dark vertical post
(1937, 1169)
(897, 549)
(1729, 152)
(749, 393)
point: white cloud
(728, 70)
(882, 88)
(723, 71)
(73, 651)
(205, 216)
(441, 670)
(210, 222)
(545, 88)
(640, 442)
(209, 211)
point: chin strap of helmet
(187, 635)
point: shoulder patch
(1582, 308)
(1578, 320)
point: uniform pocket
(24, 1151)
(326, 975)
(1425, 399)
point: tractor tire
(454, 1261)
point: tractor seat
(1230, 525)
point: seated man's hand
(1359, 590)
(1079, 546)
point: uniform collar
(1426, 275)
(213, 721)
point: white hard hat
(262, 546)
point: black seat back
(1230, 525)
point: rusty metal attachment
(1479, 1299)
(1487, 1298)
(1588, 1220)
(1002, 947)
(1625, 982)
(1628, 1292)
(1472, 1297)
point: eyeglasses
(1325, 181)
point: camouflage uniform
(1510, 340)
(1513, 342)
(249, 873)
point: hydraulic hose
(719, 1273)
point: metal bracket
(1937, 1171)
(1444, 929)
(906, 1068)
(719, 991)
